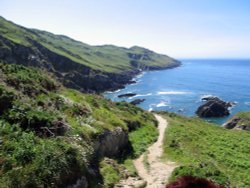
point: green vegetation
(207, 150)
(110, 172)
(106, 58)
(141, 138)
(47, 131)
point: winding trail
(157, 172)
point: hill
(51, 136)
(76, 64)
(206, 150)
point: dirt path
(157, 172)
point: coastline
(127, 78)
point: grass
(110, 174)
(207, 150)
(142, 138)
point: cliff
(75, 64)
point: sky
(179, 28)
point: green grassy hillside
(104, 58)
(207, 150)
(47, 132)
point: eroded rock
(214, 107)
(137, 101)
(111, 143)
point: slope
(78, 65)
(207, 150)
(51, 136)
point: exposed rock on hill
(111, 143)
(240, 121)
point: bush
(203, 171)
(6, 99)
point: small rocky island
(126, 95)
(137, 101)
(214, 107)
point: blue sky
(179, 28)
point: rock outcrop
(241, 121)
(231, 124)
(126, 95)
(80, 183)
(137, 101)
(111, 143)
(214, 107)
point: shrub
(6, 99)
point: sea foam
(247, 103)
(172, 93)
(140, 95)
(162, 104)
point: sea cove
(180, 89)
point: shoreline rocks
(214, 107)
(137, 101)
(240, 121)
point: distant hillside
(76, 64)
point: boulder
(232, 123)
(137, 101)
(112, 143)
(127, 95)
(214, 107)
(240, 121)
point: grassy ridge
(47, 131)
(106, 58)
(209, 151)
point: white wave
(140, 95)
(162, 104)
(144, 95)
(136, 78)
(116, 91)
(247, 103)
(173, 93)
(150, 109)
(206, 96)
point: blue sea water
(180, 89)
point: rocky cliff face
(71, 74)
(111, 143)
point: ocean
(180, 89)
